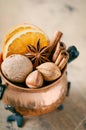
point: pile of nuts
(19, 68)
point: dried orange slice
(1, 58)
(17, 39)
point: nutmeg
(34, 79)
(49, 70)
(16, 67)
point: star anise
(40, 55)
(37, 54)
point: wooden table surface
(51, 15)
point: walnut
(16, 67)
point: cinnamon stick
(60, 46)
(59, 58)
(62, 59)
(53, 43)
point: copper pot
(32, 102)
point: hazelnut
(34, 79)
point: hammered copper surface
(35, 101)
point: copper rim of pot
(16, 87)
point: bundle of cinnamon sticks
(60, 55)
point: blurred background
(69, 17)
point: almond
(49, 70)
